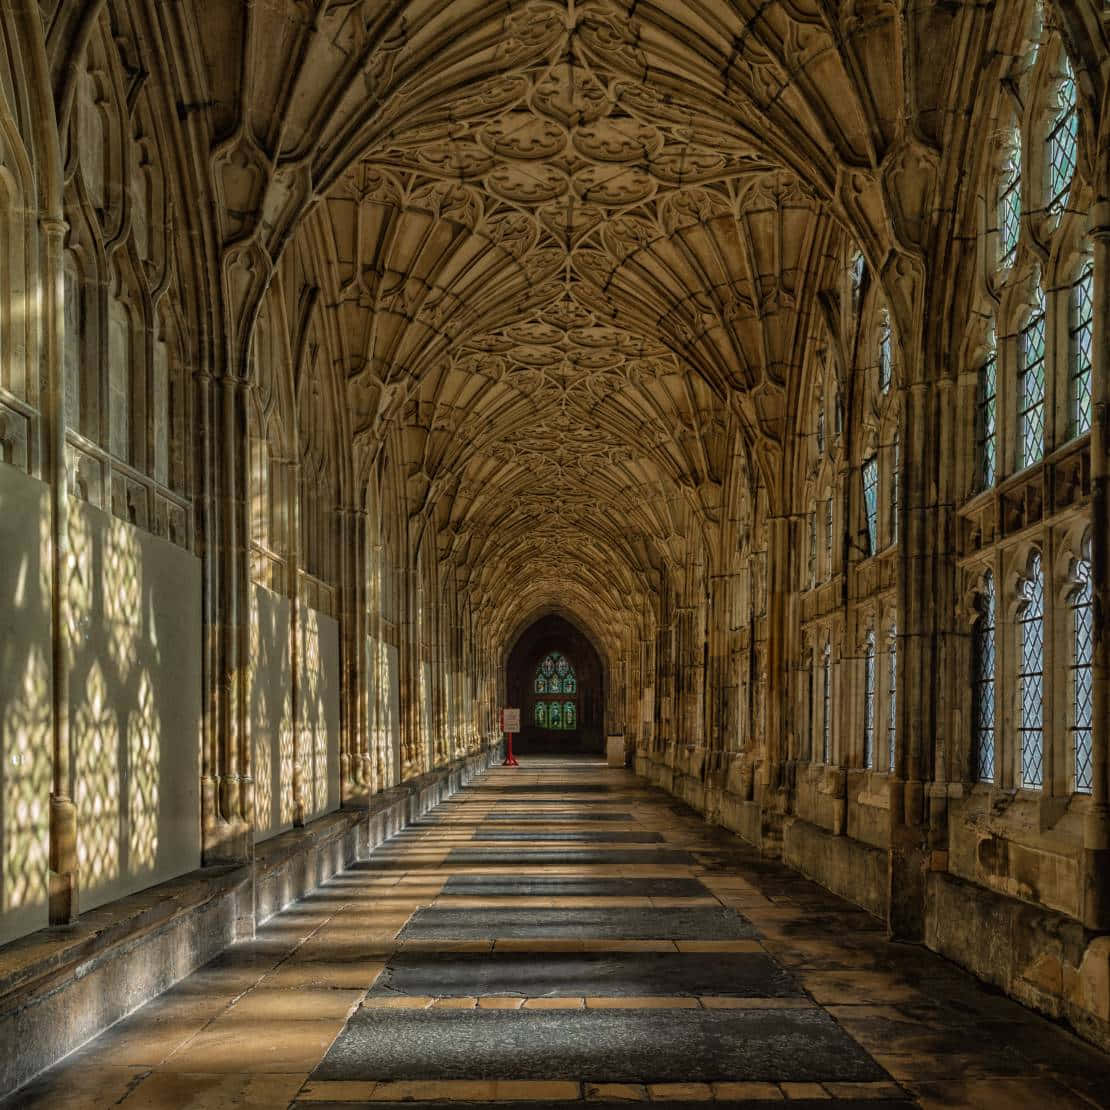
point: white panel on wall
(271, 710)
(26, 693)
(135, 705)
(318, 661)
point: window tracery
(983, 698)
(1081, 604)
(1031, 674)
(1031, 384)
(869, 701)
(1081, 338)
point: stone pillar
(293, 588)
(926, 603)
(1095, 881)
(63, 875)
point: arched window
(1008, 201)
(826, 703)
(891, 696)
(1062, 141)
(869, 702)
(820, 424)
(895, 480)
(886, 353)
(982, 713)
(986, 420)
(828, 538)
(870, 475)
(857, 270)
(811, 526)
(1031, 385)
(1031, 675)
(1082, 695)
(556, 690)
(1081, 335)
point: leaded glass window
(869, 702)
(886, 353)
(1009, 203)
(1063, 140)
(811, 524)
(895, 479)
(986, 443)
(820, 425)
(1082, 695)
(982, 710)
(871, 502)
(1031, 386)
(1081, 335)
(555, 676)
(1031, 676)
(826, 703)
(891, 697)
(828, 538)
(858, 270)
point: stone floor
(559, 935)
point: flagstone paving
(481, 958)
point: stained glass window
(869, 702)
(1031, 386)
(983, 684)
(1063, 140)
(1031, 675)
(1009, 204)
(820, 425)
(1081, 334)
(555, 676)
(1082, 695)
(886, 354)
(986, 396)
(892, 697)
(871, 502)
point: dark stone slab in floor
(591, 836)
(571, 886)
(630, 1046)
(547, 788)
(595, 1104)
(619, 923)
(556, 815)
(574, 974)
(555, 857)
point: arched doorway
(556, 678)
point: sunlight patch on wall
(271, 710)
(25, 697)
(318, 722)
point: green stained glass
(541, 684)
(569, 715)
(555, 715)
(541, 714)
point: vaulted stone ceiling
(569, 250)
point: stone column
(1095, 881)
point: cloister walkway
(563, 934)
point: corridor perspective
(564, 935)
(710, 398)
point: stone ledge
(846, 866)
(1044, 959)
(60, 987)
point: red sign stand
(510, 717)
(510, 759)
